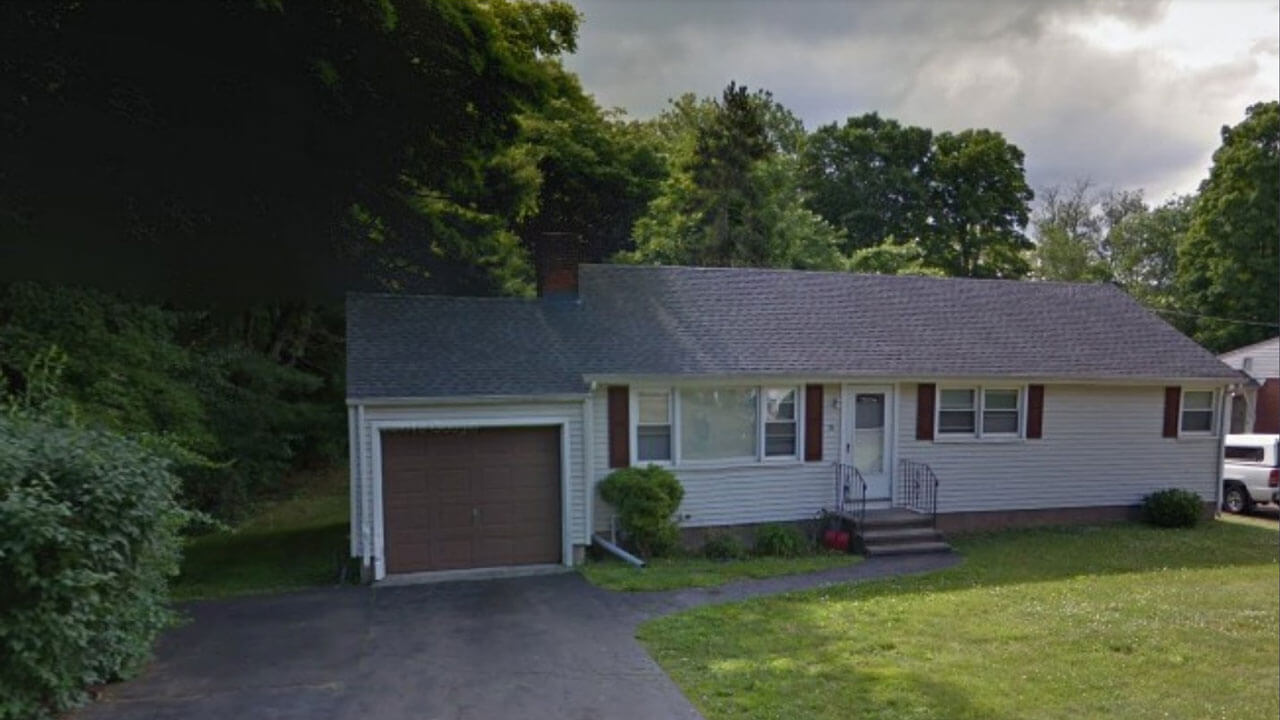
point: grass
(295, 543)
(1121, 621)
(687, 572)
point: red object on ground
(836, 539)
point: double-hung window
(957, 411)
(780, 422)
(1197, 412)
(653, 426)
(980, 412)
(1000, 411)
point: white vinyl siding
(1265, 359)
(751, 492)
(570, 413)
(1102, 446)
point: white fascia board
(465, 400)
(827, 379)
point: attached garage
(456, 487)
(471, 497)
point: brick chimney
(556, 257)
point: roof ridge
(841, 273)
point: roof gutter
(692, 378)
(464, 399)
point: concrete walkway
(536, 647)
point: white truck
(1249, 471)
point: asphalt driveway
(538, 647)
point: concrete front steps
(899, 532)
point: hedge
(89, 537)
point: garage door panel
(453, 554)
(475, 498)
(454, 517)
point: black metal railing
(916, 488)
(851, 492)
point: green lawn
(672, 573)
(1118, 622)
(295, 543)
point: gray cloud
(1126, 118)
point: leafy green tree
(1229, 262)
(892, 258)
(1144, 251)
(978, 206)
(870, 177)
(961, 198)
(1070, 232)
(1087, 236)
(596, 172)
(244, 417)
(733, 196)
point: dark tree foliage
(733, 196)
(1229, 259)
(133, 368)
(209, 149)
(959, 199)
(870, 176)
(597, 172)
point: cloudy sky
(1129, 94)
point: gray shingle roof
(645, 320)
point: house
(1255, 404)
(481, 426)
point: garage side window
(1197, 411)
(653, 426)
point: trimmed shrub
(89, 536)
(1172, 508)
(781, 541)
(645, 500)
(724, 547)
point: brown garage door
(471, 498)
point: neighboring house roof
(672, 321)
(1264, 359)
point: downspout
(1223, 425)
(616, 551)
(588, 462)
(353, 482)
(366, 514)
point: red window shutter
(619, 426)
(812, 423)
(1035, 411)
(926, 394)
(1172, 406)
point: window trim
(980, 406)
(634, 426)
(975, 409)
(1019, 394)
(1213, 414)
(676, 410)
(763, 422)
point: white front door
(868, 424)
